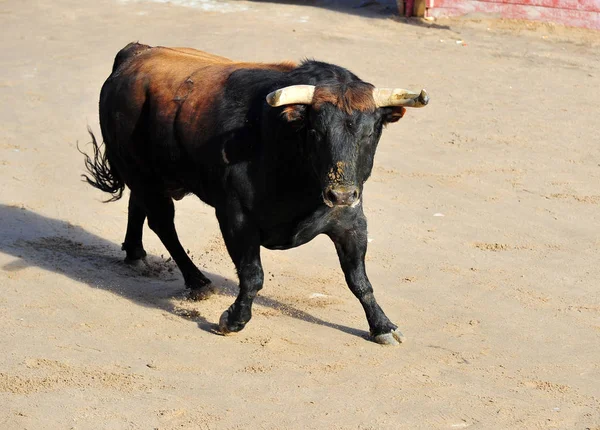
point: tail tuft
(102, 175)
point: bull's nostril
(331, 196)
(341, 196)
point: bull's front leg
(243, 244)
(351, 246)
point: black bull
(277, 172)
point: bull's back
(160, 107)
(157, 84)
(134, 49)
(148, 85)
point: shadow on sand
(386, 9)
(61, 247)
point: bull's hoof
(226, 327)
(201, 293)
(135, 262)
(395, 337)
(200, 286)
(135, 253)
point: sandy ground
(498, 297)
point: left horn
(294, 95)
(399, 97)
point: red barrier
(574, 13)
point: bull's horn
(296, 94)
(399, 97)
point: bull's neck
(290, 169)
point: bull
(281, 151)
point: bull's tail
(101, 174)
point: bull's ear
(393, 114)
(294, 114)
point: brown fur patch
(292, 113)
(397, 113)
(356, 96)
(180, 83)
(336, 173)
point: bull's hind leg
(135, 225)
(161, 215)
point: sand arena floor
(498, 297)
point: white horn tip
(273, 98)
(423, 98)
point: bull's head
(343, 125)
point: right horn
(295, 94)
(399, 97)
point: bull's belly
(286, 236)
(282, 239)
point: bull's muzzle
(341, 196)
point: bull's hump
(130, 51)
(198, 55)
